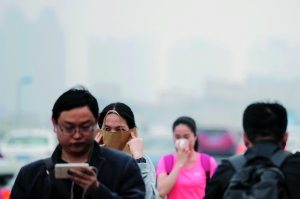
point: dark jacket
(291, 168)
(118, 174)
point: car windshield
(33, 141)
(213, 131)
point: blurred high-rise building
(126, 65)
(32, 62)
(275, 58)
(193, 62)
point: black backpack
(257, 181)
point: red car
(5, 190)
(217, 141)
(4, 193)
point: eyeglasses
(81, 130)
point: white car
(22, 146)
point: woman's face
(113, 123)
(182, 131)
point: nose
(77, 134)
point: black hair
(75, 97)
(123, 110)
(190, 122)
(265, 120)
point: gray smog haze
(206, 59)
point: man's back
(291, 168)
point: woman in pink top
(187, 176)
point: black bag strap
(237, 161)
(60, 185)
(279, 157)
(49, 164)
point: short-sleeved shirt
(191, 182)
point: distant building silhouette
(35, 49)
(125, 63)
(274, 59)
(193, 62)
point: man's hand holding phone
(79, 173)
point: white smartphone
(61, 169)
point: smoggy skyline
(132, 50)
(234, 25)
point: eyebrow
(183, 134)
(116, 126)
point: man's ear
(284, 140)
(54, 124)
(246, 140)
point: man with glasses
(110, 174)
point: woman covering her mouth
(118, 131)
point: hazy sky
(234, 24)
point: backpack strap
(204, 158)
(168, 159)
(237, 161)
(49, 164)
(279, 157)
(205, 161)
(58, 183)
